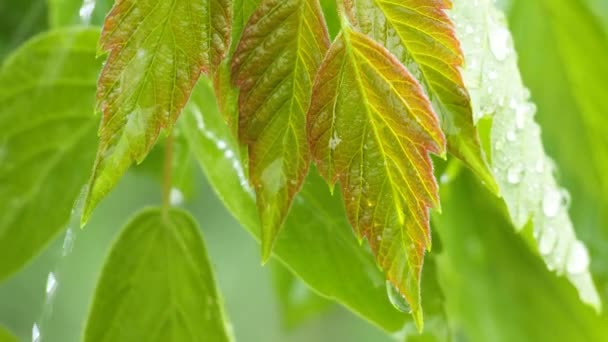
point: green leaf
(496, 289)
(520, 165)
(297, 302)
(551, 76)
(157, 51)
(317, 243)
(420, 34)
(371, 128)
(75, 12)
(6, 336)
(274, 67)
(158, 282)
(48, 142)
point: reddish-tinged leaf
(274, 66)
(420, 34)
(157, 51)
(371, 128)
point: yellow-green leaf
(157, 51)
(274, 66)
(371, 128)
(420, 34)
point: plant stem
(168, 173)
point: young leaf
(334, 266)
(274, 66)
(157, 51)
(522, 169)
(47, 96)
(420, 34)
(158, 282)
(371, 128)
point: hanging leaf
(420, 34)
(157, 51)
(352, 279)
(371, 128)
(520, 165)
(274, 66)
(47, 95)
(158, 282)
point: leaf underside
(274, 67)
(371, 128)
(157, 282)
(420, 34)
(157, 51)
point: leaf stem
(167, 173)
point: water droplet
(221, 144)
(68, 242)
(229, 154)
(86, 10)
(514, 173)
(176, 197)
(578, 259)
(540, 166)
(547, 241)
(551, 202)
(469, 29)
(51, 284)
(35, 333)
(395, 297)
(511, 136)
(334, 141)
(499, 38)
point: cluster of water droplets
(52, 279)
(222, 145)
(523, 171)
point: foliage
(405, 108)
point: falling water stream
(70, 235)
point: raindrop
(334, 141)
(514, 174)
(547, 241)
(176, 197)
(578, 259)
(86, 10)
(35, 333)
(551, 202)
(395, 297)
(51, 284)
(498, 43)
(511, 136)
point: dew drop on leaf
(514, 173)
(578, 259)
(397, 299)
(35, 333)
(51, 284)
(551, 202)
(547, 241)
